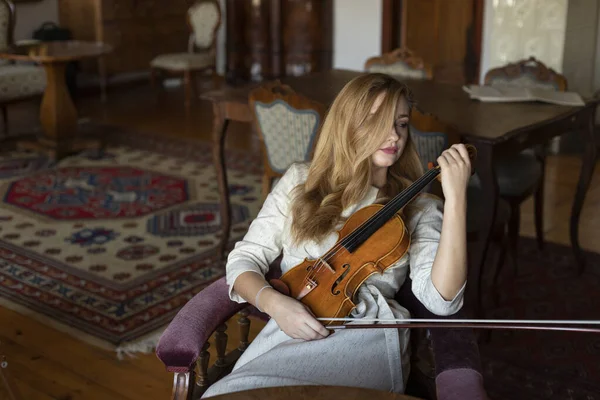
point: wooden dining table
(495, 129)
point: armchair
(18, 81)
(445, 362)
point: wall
(357, 32)
(580, 45)
(30, 16)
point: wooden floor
(48, 364)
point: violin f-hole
(337, 281)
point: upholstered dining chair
(401, 62)
(521, 176)
(431, 137)
(204, 19)
(287, 124)
(445, 362)
(19, 81)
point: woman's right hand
(293, 317)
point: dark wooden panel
(274, 38)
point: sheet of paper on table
(513, 94)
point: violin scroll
(472, 150)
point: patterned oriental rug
(536, 365)
(109, 247)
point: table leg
(587, 170)
(220, 124)
(58, 117)
(489, 197)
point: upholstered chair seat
(182, 61)
(21, 81)
(516, 175)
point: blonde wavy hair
(340, 171)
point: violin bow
(545, 325)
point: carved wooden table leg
(58, 117)
(218, 141)
(590, 156)
(489, 197)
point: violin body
(328, 287)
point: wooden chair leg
(103, 79)
(498, 267)
(244, 325)
(187, 79)
(5, 119)
(153, 77)
(215, 78)
(202, 363)
(539, 212)
(513, 233)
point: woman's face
(390, 150)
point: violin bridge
(324, 263)
(308, 287)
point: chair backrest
(430, 135)
(204, 19)
(529, 73)
(287, 124)
(401, 62)
(7, 23)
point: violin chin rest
(280, 286)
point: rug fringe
(144, 345)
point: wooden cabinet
(138, 30)
(268, 39)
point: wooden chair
(204, 19)
(287, 124)
(19, 81)
(400, 62)
(522, 176)
(431, 138)
(445, 363)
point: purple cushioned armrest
(460, 384)
(181, 343)
(455, 350)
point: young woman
(364, 155)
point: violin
(372, 240)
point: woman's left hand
(455, 166)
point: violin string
(319, 265)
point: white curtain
(518, 29)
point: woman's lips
(390, 150)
